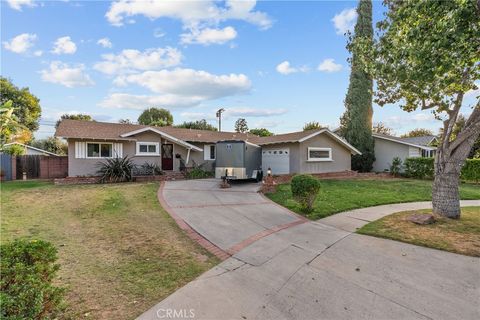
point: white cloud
(345, 20)
(267, 124)
(18, 4)
(208, 36)
(411, 120)
(189, 12)
(329, 65)
(66, 75)
(158, 33)
(189, 82)
(64, 45)
(21, 43)
(286, 68)
(38, 53)
(105, 42)
(130, 60)
(253, 112)
(198, 115)
(140, 102)
(176, 88)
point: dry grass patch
(119, 251)
(458, 236)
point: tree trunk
(445, 194)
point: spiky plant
(116, 170)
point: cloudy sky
(277, 64)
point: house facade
(90, 142)
(388, 147)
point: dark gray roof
(422, 141)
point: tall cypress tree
(356, 122)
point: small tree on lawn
(427, 57)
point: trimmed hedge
(28, 269)
(423, 168)
(471, 170)
(419, 168)
(305, 190)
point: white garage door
(276, 159)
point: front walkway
(315, 270)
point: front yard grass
(342, 195)
(458, 236)
(120, 252)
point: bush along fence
(423, 168)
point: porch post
(188, 156)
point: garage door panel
(276, 159)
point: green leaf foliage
(261, 132)
(156, 117)
(419, 168)
(198, 125)
(471, 170)
(241, 125)
(305, 189)
(28, 270)
(116, 170)
(27, 106)
(356, 122)
(77, 116)
(312, 125)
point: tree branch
(472, 127)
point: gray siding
(341, 156)
(386, 150)
(89, 167)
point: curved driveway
(286, 268)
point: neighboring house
(89, 142)
(388, 147)
(32, 151)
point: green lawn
(341, 195)
(120, 252)
(459, 236)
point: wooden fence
(39, 167)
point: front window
(148, 148)
(99, 150)
(319, 154)
(209, 152)
(212, 152)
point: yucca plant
(116, 170)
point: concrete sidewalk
(322, 270)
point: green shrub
(198, 173)
(396, 166)
(116, 170)
(28, 269)
(471, 170)
(419, 168)
(305, 190)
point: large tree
(74, 116)
(261, 132)
(419, 132)
(198, 124)
(312, 125)
(427, 57)
(241, 125)
(51, 144)
(9, 123)
(356, 122)
(156, 117)
(382, 128)
(26, 105)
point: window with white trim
(99, 150)
(319, 154)
(209, 152)
(148, 149)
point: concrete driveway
(312, 270)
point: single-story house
(388, 147)
(89, 142)
(32, 151)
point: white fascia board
(163, 134)
(335, 136)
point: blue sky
(277, 64)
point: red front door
(167, 156)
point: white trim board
(403, 142)
(161, 133)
